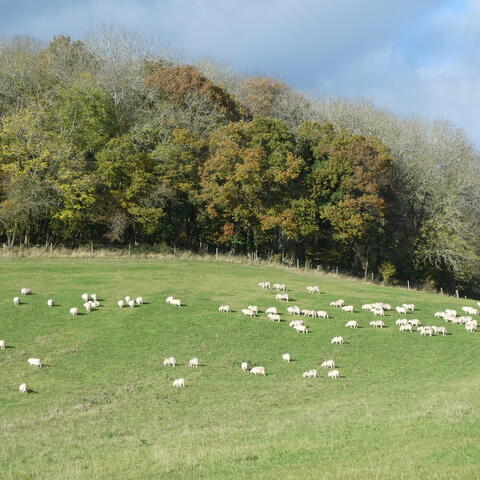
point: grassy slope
(406, 406)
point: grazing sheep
(87, 305)
(386, 306)
(26, 291)
(348, 308)
(93, 296)
(74, 311)
(378, 312)
(280, 287)
(427, 331)
(169, 299)
(313, 290)
(258, 371)
(274, 316)
(441, 330)
(470, 310)
(322, 314)
(23, 388)
(85, 297)
(414, 322)
(50, 302)
(440, 314)
(450, 311)
(225, 309)
(328, 364)
(286, 357)
(337, 303)
(35, 362)
(281, 297)
(179, 382)
(271, 310)
(176, 302)
(193, 362)
(470, 327)
(310, 374)
(377, 323)
(336, 340)
(139, 300)
(131, 303)
(401, 321)
(295, 323)
(367, 307)
(244, 366)
(409, 306)
(121, 303)
(253, 308)
(301, 328)
(265, 285)
(293, 310)
(333, 374)
(248, 313)
(169, 362)
(2, 344)
(407, 327)
(352, 324)
(16, 300)
(401, 310)
(127, 299)
(95, 303)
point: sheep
(274, 316)
(265, 285)
(328, 364)
(176, 302)
(193, 362)
(406, 328)
(258, 371)
(409, 306)
(352, 324)
(131, 303)
(450, 311)
(50, 302)
(286, 357)
(84, 297)
(169, 299)
(322, 314)
(293, 310)
(333, 374)
(377, 323)
(426, 331)
(248, 313)
(464, 319)
(34, 362)
(470, 327)
(295, 323)
(169, 362)
(470, 310)
(244, 366)
(441, 330)
(127, 299)
(2, 344)
(348, 308)
(401, 310)
(93, 296)
(87, 305)
(281, 297)
(271, 310)
(23, 388)
(179, 382)
(337, 303)
(336, 340)
(440, 314)
(26, 291)
(414, 322)
(225, 309)
(367, 307)
(401, 321)
(313, 290)
(253, 308)
(378, 312)
(386, 306)
(310, 374)
(16, 300)
(280, 287)
(74, 311)
(95, 303)
(139, 300)
(121, 303)
(301, 328)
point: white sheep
(377, 324)
(265, 285)
(74, 311)
(127, 299)
(367, 307)
(352, 324)
(274, 316)
(50, 302)
(322, 314)
(337, 303)
(401, 310)
(16, 300)
(139, 301)
(169, 362)
(87, 305)
(336, 340)
(295, 323)
(84, 297)
(328, 364)
(23, 388)
(441, 330)
(2, 344)
(179, 382)
(253, 308)
(169, 299)
(193, 362)
(401, 321)
(271, 310)
(310, 374)
(248, 313)
(470, 327)
(406, 328)
(414, 322)
(95, 303)
(121, 303)
(281, 287)
(294, 310)
(93, 296)
(313, 290)
(26, 291)
(244, 366)
(378, 312)
(450, 311)
(176, 302)
(34, 362)
(258, 371)
(470, 310)
(348, 308)
(333, 374)
(224, 309)
(281, 297)
(409, 306)
(286, 357)
(301, 328)
(131, 303)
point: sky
(410, 56)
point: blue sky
(412, 56)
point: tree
(259, 94)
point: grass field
(103, 407)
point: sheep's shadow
(9, 346)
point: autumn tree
(260, 94)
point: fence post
(408, 284)
(216, 253)
(456, 293)
(441, 291)
(91, 247)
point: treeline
(103, 141)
